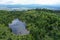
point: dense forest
(43, 24)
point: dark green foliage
(42, 24)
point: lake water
(18, 27)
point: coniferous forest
(43, 24)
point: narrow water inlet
(18, 27)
